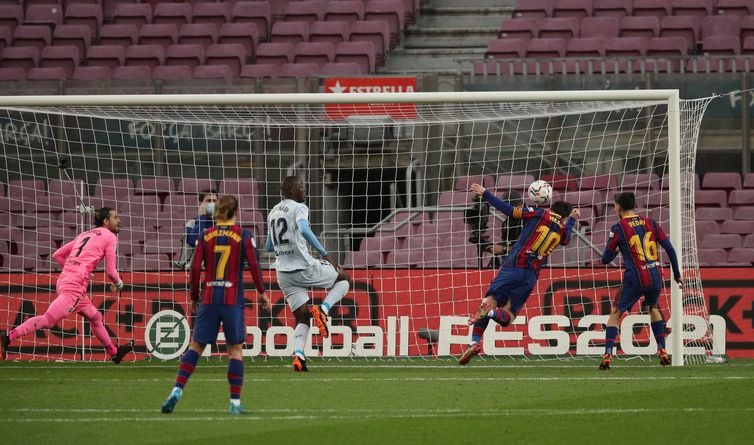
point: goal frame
(670, 96)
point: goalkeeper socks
(186, 368)
(500, 316)
(235, 379)
(611, 333)
(658, 329)
(336, 294)
(477, 330)
(300, 335)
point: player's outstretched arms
(492, 199)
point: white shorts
(295, 285)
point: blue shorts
(207, 324)
(514, 285)
(629, 293)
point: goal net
(387, 181)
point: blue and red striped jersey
(542, 232)
(637, 237)
(224, 250)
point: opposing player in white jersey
(288, 233)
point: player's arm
(268, 246)
(568, 229)
(310, 237)
(495, 201)
(61, 254)
(191, 232)
(110, 264)
(251, 259)
(672, 255)
(196, 272)
(611, 250)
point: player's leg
(64, 304)
(235, 336)
(87, 310)
(624, 300)
(300, 335)
(657, 323)
(337, 291)
(323, 274)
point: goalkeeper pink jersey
(81, 256)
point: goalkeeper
(79, 258)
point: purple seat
(198, 33)
(110, 56)
(685, 27)
(710, 198)
(156, 185)
(739, 227)
(712, 257)
(606, 27)
(308, 11)
(460, 198)
(390, 11)
(749, 241)
(344, 11)
(25, 57)
(356, 52)
(318, 53)
(513, 182)
(299, 70)
(92, 73)
(46, 74)
(158, 34)
(132, 13)
(586, 47)
(577, 9)
(136, 72)
(89, 15)
(645, 27)
(533, 8)
(49, 15)
(244, 34)
(12, 74)
(215, 13)
(523, 29)
(748, 46)
(341, 69)
(274, 53)
(747, 27)
(741, 256)
(641, 181)
(559, 28)
(260, 70)
(377, 32)
(123, 35)
(721, 241)
(113, 187)
(11, 16)
(172, 72)
(657, 8)
(612, 8)
(626, 47)
(26, 190)
(665, 182)
(699, 8)
(721, 45)
(705, 227)
(231, 55)
(258, 13)
(546, 48)
(598, 182)
(37, 36)
(741, 198)
(749, 181)
(190, 55)
(365, 259)
(76, 35)
(146, 55)
(239, 186)
(194, 186)
(464, 182)
(332, 32)
(174, 13)
(724, 25)
(65, 57)
(722, 180)
(744, 213)
(735, 7)
(290, 32)
(6, 37)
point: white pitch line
(450, 365)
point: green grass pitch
(383, 402)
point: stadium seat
(318, 53)
(198, 33)
(364, 259)
(722, 180)
(157, 185)
(390, 11)
(111, 56)
(559, 28)
(341, 69)
(645, 27)
(215, 13)
(113, 187)
(296, 70)
(138, 72)
(713, 214)
(699, 8)
(640, 181)
(747, 27)
(404, 259)
(722, 241)
(460, 198)
(546, 48)
(741, 198)
(260, 70)
(65, 57)
(145, 55)
(686, 27)
(561, 182)
(739, 227)
(258, 13)
(656, 8)
(151, 262)
(177, 71)
(194, 186)
(244, 34)
(721, 45)
(595, 199)
(46, 74)
(704, 228)
(238, 186)
(675, 47)
(76, 35)
(513, 182)
(710, 198)
(626, 47)
(506, 49)
(344, 11)
(734, 7)
(25, 57)
(523, 29)
(577, 9)
(712, 257)
(289, 32)
(190, 55)
(598, 182)
(138, 14)
(123, 35)
(665, 182)
(605, 27)
(331, 32)
(158, 34)
(748, 181)
(612, 8)
(721, 26)
(749, 241)
(37, 36)
(463, 183)
(231, 55)
(744, 213)
(308, 11)
(86, 73)
(11, 16)
(174, 13)
(274, 53)
(356, 52)
(89, 15)
(13, 74)
(533, 8)
(49, 15)
(6, 37)
(741, 255)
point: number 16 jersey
(291, 249)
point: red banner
(383, 314)
(371, 85)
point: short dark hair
(206, 192)
(562, 208)
(226, 207)
(101, 215)
(626, 200)
(288, 183)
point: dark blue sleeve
(611, 250)
(568, 230)
(498, 203)
(665, 243)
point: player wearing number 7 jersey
(79, 258)
(636, 237)
(543, 231)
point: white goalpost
(387, 179)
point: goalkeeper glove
(119, 285)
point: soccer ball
(540, 192)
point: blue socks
(186, 368)
(235, 379)
(658, 329)
(611, 333)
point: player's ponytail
(226, 208)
